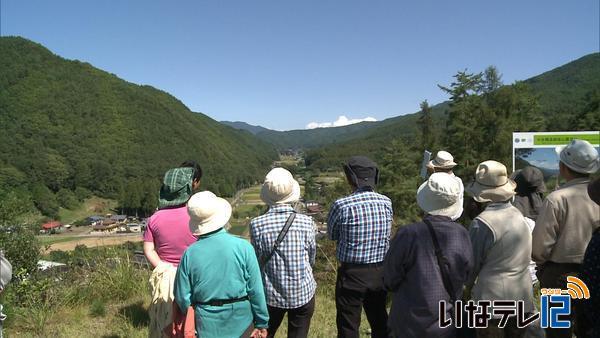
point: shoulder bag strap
(280, 238)
(442, 262)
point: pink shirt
(170, 232)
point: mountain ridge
(67, 124)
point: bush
(13, 204)
(21, 248)
(98, 308)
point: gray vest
(504, 274)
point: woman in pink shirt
(166, 238)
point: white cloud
(341, 121)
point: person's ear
(195, 184)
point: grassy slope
(91, 206)
(130, 319)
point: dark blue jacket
(413, 276)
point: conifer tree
(465, 109)
(426, 127)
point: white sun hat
(280, 187)
(207, 213)
(440, 195)
(442, 160)
(491, 183)
(580, 156)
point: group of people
(238, 288)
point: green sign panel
(560, 139)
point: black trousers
(357, 287)
(298, 319)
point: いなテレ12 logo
(555, 303)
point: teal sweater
(221, 266)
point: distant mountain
(245, 126)
(309, 138)
(65, 125)
(561, 92)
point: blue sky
(285, 64)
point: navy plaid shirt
(361, 225)
(288, 277)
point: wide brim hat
(442, 160)
(207, 213)
(491, 183)
(280, 187)
(176, 188)
(580, 156)
(440, 195)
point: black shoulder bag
(444, 264)
(280, 238)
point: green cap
(176, 188)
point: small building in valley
(52, 227)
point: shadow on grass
(136, 314)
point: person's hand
(259, 333)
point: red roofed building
(51, 225)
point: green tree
(492, 79)
(464, 112)
(13, 203)
(588, 118)
(57, 172)
(399, 179)
(45, 200)
(426, 127)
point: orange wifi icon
(577, 288)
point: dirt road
(95, 241)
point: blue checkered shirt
(287, 276)
(361, 225)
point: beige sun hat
(442, 160)
(491, 183)
(207, 213)
(580, 156)
(440, 195)
(280, 187)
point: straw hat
(440, 195)
(280, 187)
(442, 160)
(580, 156)
(207, 212)
(491, 183)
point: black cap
(362, 171)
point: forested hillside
(245, 126)
(68, 129)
